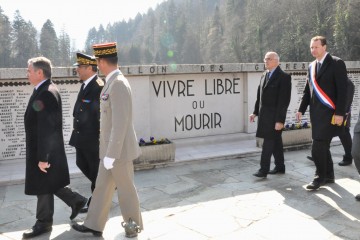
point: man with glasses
(85, 134)
(273, 98)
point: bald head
(271, 60)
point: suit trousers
(88, 162)
(322, 158)
(121, 177)
(346, 141)
(272, 147)
(356, 150)
(45, 204)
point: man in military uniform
(118, 148)
(85, 134)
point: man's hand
(338, 120)
(43, 166)
(279, 126)
(108, 163)
(252, 117)
(298, 116)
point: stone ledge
(155, 155)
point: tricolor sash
(322, 96)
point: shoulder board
(100, 82)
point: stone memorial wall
(182, 101)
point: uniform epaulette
(100, 82)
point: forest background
(198, 32)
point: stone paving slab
(214, 200)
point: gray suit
(355, 150)
(117, 140)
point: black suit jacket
(272, 102)
(332, 80)
(86, 115)
(44, 142)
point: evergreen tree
(134, 55)
(24, 43)
(5, 41)
(91, 40)
(49, 43)
(64, 49)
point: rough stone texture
(155, 155)
(19, 73)
(292, 138)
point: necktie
(318, 66)
(81, 90)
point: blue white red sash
(324, 99)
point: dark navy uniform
(86, 126)
(85, 135)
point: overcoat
(272, 101)
(332, 79)
(44, 142)
(86, 115)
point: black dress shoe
(36, 230)
(260, 174)
(84, 209)
(276, 170)
(77, 207)
(330, 180)
(83, 229)
(344, 163)
(310, 158)
(357, 197)
(315, 184)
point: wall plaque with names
(14, 97)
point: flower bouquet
(296, 126)
(153, 141)
(296, 134)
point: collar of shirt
(39, 84)
(270, 73)
(87, 81)
(323, 58)
(111, 74)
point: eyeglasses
(267, 59)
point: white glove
(108, 163)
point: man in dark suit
(356, 149)
(326, 93)
(273, 98)
(85, 134)
(47, 172)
